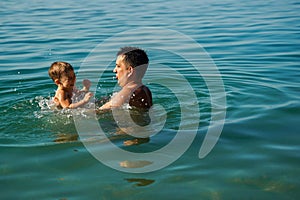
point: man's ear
(130, 69)
(56, 81)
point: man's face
(121, 70)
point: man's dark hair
(134, 56)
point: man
(131, 65)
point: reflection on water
(136, 141)
(65, 137)
(266, 183)
(140, 181)
(135, 164)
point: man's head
(131, 65)
(133, 56)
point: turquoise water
(254, 44)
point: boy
(62, 74)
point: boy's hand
(87, 97)
(86, 83)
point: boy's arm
(66, 102)
(85, 100)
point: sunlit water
(254, 44)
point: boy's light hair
(59, 69)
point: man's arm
(118, 99)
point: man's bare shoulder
(141, 97)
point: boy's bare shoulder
(59, 93)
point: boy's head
(62, 73)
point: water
(255, 45)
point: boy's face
(67, 81)
(122, 71)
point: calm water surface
(255, 45)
